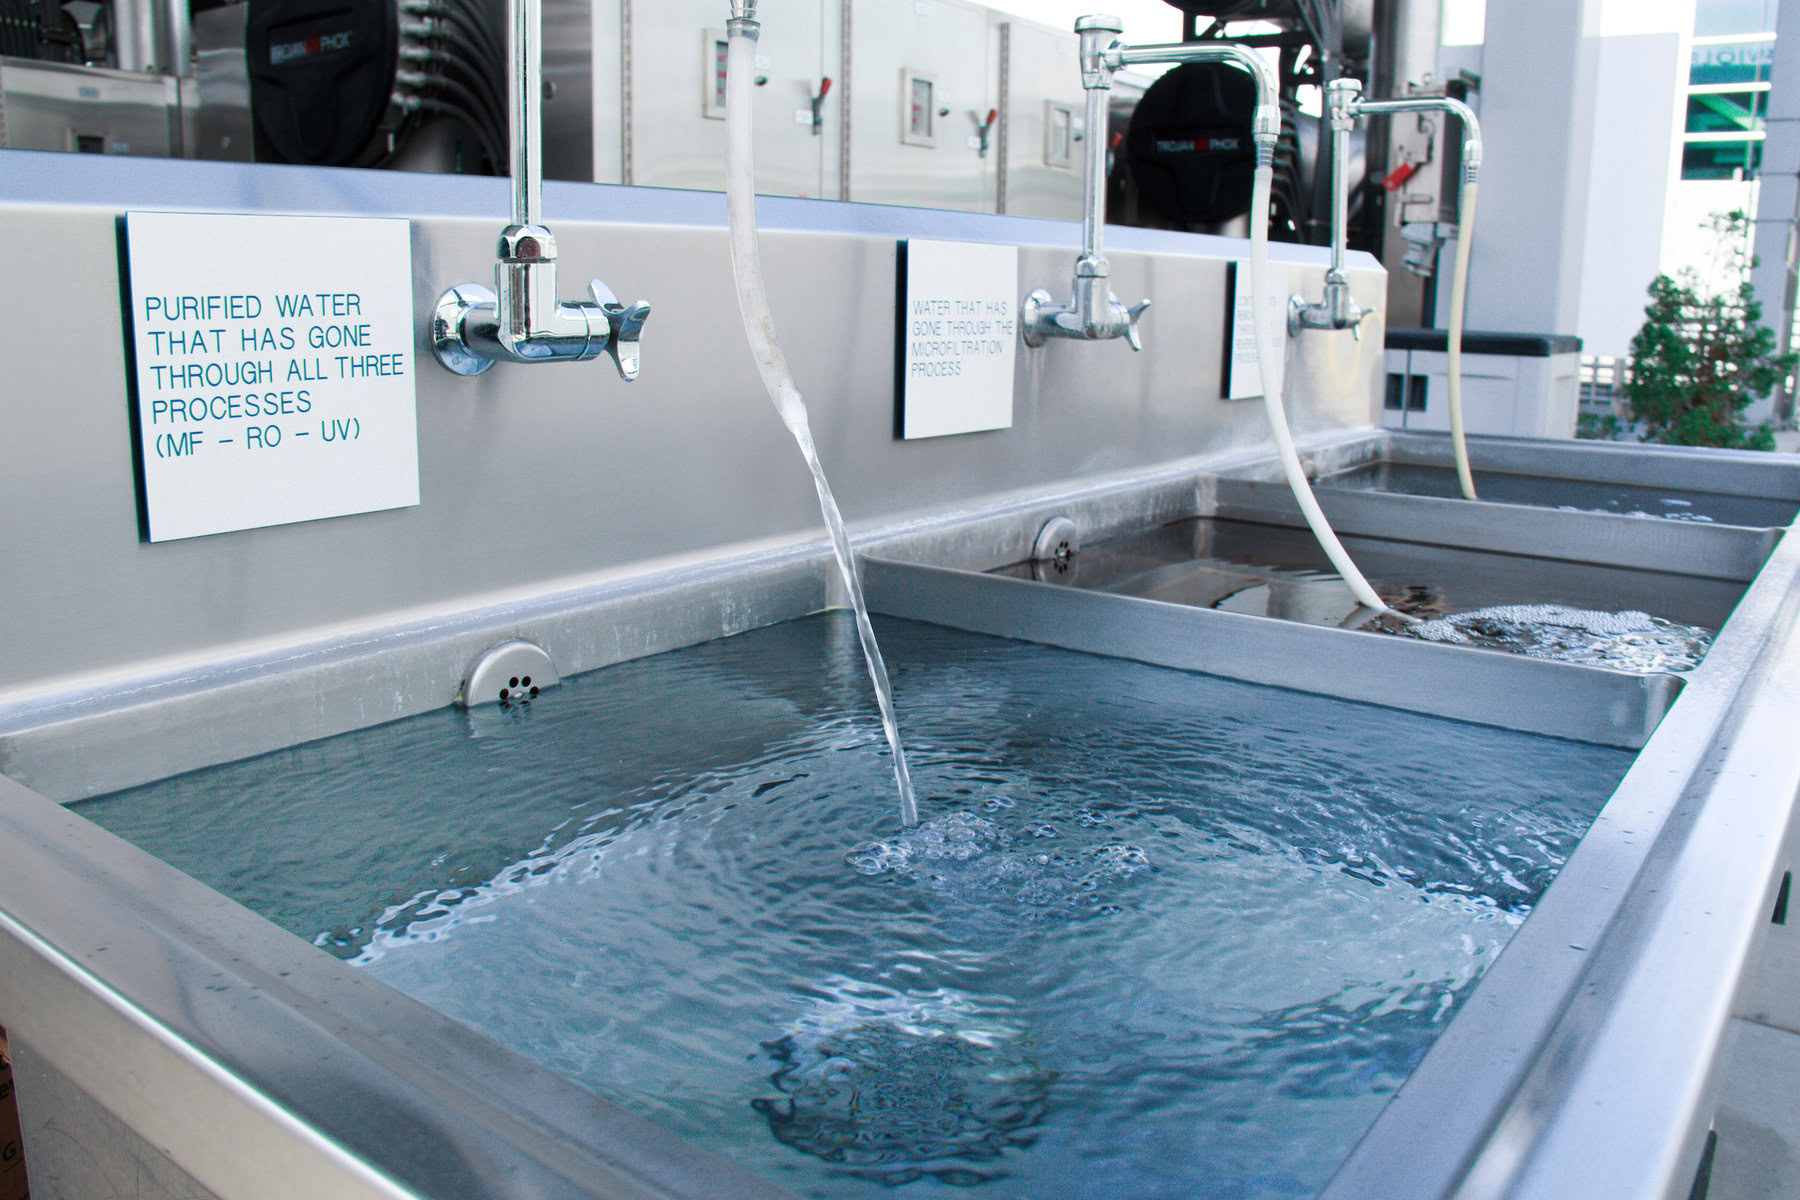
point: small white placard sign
(959, 337)
(274, 362)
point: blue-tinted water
(1159, 935)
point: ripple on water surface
(1158, 935)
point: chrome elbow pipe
(1093, 313)
(1471, 148)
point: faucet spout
(521, 320)
(1093, 313)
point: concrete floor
(1758, 1126)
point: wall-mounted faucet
(1343, 106)
(1093, 312)
(521, 320)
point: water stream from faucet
(759, 326)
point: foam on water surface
(1626, 641)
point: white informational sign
(274, 374)
(1245, 375)
(959, 337)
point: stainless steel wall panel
(554, 478)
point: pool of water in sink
(1579, 495)
(1159, 934)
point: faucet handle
(626, 326)
(1131, 327)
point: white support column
(1774, 276)
(1539, 74)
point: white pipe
(771, 363)
(1271, 337)
(1459, 291)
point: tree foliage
(1703, 355)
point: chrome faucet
(521, 320)
(1343, 105)
(1093, 312)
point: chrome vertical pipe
(177, 40)
(1336, 310)
(1092, 270)
(134, 35)
(525, 79)
(1341, 94)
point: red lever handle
(1399, 175)
(824, 87)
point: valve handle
(625, 326)
(1131, 330)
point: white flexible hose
(1271, 340)
(1459, 291)
(771, 363)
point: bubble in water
(876, 858)
(972, 859)
(904, 1089)
(954, 837)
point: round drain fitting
(507, 673)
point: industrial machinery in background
(1185, 157)
(945, 104)
(418, 82)
(97, 78)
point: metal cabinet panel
(955, 45)
(1043, 167)
(675, 144)
(49, 106)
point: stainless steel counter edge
(120, 733)
(1485, 687)
(1609, 539)
(264, 1067)
(1643, 464)
(1581, 1063)
(1640, 464)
